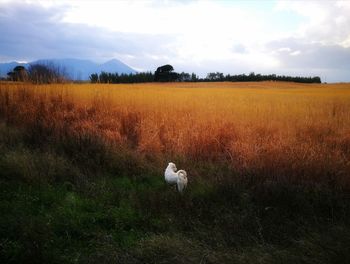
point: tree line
(252, 77)
(163, 73)
(166, 73)
(50, 73)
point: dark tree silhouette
(94, 78)
(184, 77)
(10, 76)
(20, 73)
(165, 74)
(194, 77)
(40, 74)
(165, 68)
(106, 77)
(216, 76)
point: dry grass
(271, 130)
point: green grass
(57, 206)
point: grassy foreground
(81, 181)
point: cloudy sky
(283, 37)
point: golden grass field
(298, 132)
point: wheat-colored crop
(298, 132)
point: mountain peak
(112, 60)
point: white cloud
(204, 28)
(295, 53)
(327, 22)
(284, 49)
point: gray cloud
(312, 58)
(313, 55)
(32, 32)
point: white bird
(172, 176)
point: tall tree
(165, 74)
(20, 73)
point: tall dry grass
(277, 131)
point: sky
(304, 38)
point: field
(81, 172)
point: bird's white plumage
(181, 180)
(170, 173)
(172, 176)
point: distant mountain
(76, 69)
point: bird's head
(172, 166)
